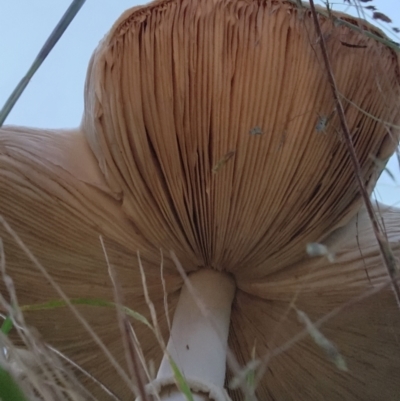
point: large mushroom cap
(209, 130)
(214, 122)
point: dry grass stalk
(387, 254)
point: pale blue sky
(54, 98)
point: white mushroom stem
(199, 333)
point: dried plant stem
(134, 357)
(43, 53)
(69, 304)
(107, 390)
(318, 323)
(384, 247)
(130, 352)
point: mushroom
(209, 130)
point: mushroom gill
(207, 120)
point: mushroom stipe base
(199, 334)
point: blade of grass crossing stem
(182, 384)
(58, 31)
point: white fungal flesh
(199, 333)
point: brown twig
(384, 247)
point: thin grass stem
(54, 37)
(387, 254)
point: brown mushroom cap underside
(365, 332)
(58, 211)
(208, 121)
(171, 91)
(59, 218)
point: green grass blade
(181, 382)
(58, 31)
(86, 301)
(9, 389)
(6, 326)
